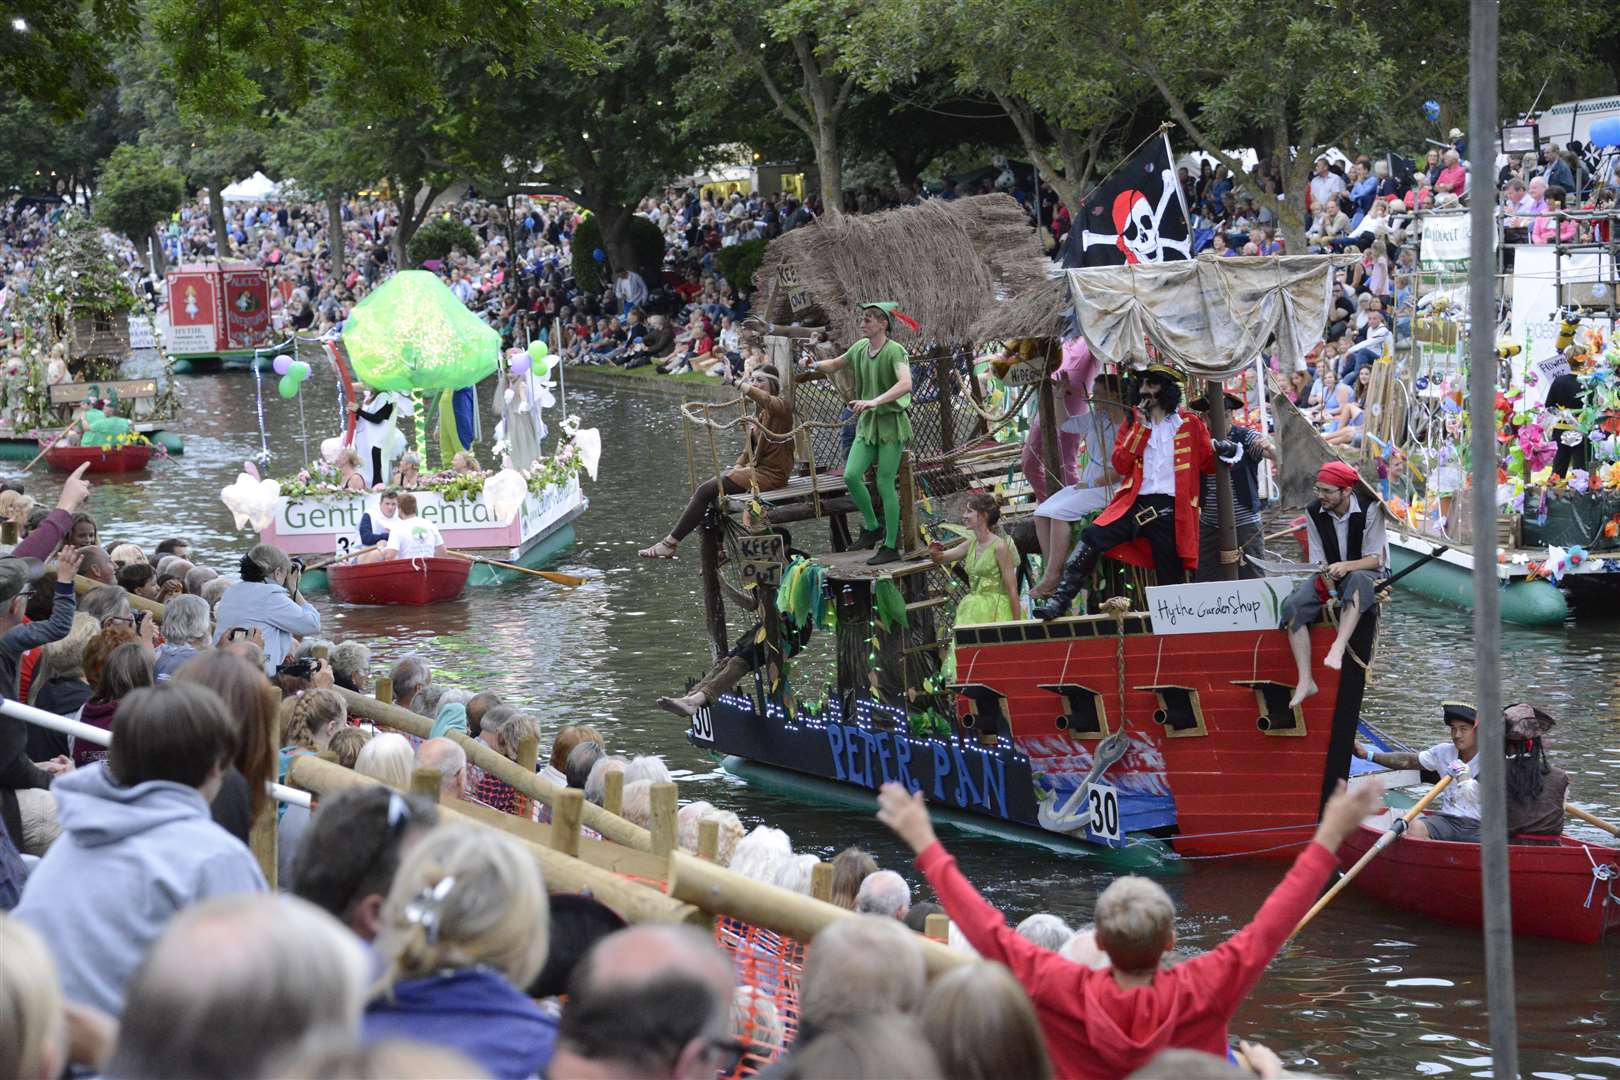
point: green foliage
(58, 59)
(138, 190)
(439, 237)
(739, 262)
(646, 246)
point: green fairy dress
(986, 600)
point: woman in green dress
(881, 409)
(991, 565)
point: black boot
(1076, 572)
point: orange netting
(765, 1010)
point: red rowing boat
(398, 581)
(1564, 890)
(102, 459)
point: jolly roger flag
(1137, 215)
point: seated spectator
(128, 555)
(877, 1047)
(1047, 931)
(850, 867)
(388, 758)
(115, 663)
(596, 781)
(856, 967)
(576, 923)
(251, 705)
(138, 826)
(98, 565)
(515, 729)
(353, 849)
(981, 1024)
(35, 1046)
(59, 686)
(138, 578)
(636, 807)
(581, 760)
(760, 853)
(652, 1001)
(1085, 1014)
(348, 743)
(351, 666)
(197, 579)
(884, 893)
(692, 815)
(236, 983)
(408, 676)
(185, 633)
(463, 931)
(451, 762)
(267, 599)
(568, 737)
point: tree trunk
(334, 230)
(160, 258)
(621, 253)
(906, 168)
(1291, 212)
(830, 164)
(216, 219)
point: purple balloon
(521, 363)
(282, 364)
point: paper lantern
(412, 333)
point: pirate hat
(1164, 371)
(891, 311)
(1525, 723)
(1458, 710)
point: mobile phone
(237, 633)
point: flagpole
(1161, 130)
(1482, 373)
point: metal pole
(1493, 855)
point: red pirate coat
(1194, 457)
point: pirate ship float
(1111, 727)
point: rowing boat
(398, 581)
(1562, 888)
(102, 459)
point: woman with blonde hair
(464, 928)
(388, 758)
(350, 478)
(981, 1025)
(850, 868)
(310, 718)
(35, 1046)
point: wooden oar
(549, 575)
(322, 564)
(54, 440)
(1392, 834)
(1591, 819)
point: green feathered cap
(891, 311)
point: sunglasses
(399, 819)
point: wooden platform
(851, 566)
(981, 464)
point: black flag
(1137, 215)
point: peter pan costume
(881, 435)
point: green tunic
(874, 375)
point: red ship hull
(398, 581)
(1555, 889)
(101, 459)
(1216, 760)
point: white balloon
(589, 443)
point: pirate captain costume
(1152, 520)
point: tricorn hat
(1525, 723)
(1458, 710)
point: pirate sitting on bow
(1346, 538)
(1162, 451)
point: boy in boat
(1162, 451)
(413, 537)
(1105, 1023)
(1457, 816)
(1346, 539)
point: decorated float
(1558, 421)
(409, 339)
(75, 385)
(1155, 716)
(216, 313)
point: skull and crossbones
(1136, 225)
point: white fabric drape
(1207, 316)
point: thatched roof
(947, 264)
(1036, 311)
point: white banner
(1218, 606)
(1446, 239)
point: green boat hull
(1143, 854)
(28, 449)
(1523, 603)
(543, 554)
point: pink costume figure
(1073, 377)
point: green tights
(887, 455)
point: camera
(302, 668)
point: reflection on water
(1367, 991)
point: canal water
(1366, 991)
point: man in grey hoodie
(138, 844)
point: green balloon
(538, 348)
(288, 386)
(298, 369)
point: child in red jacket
(1101, 1024)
